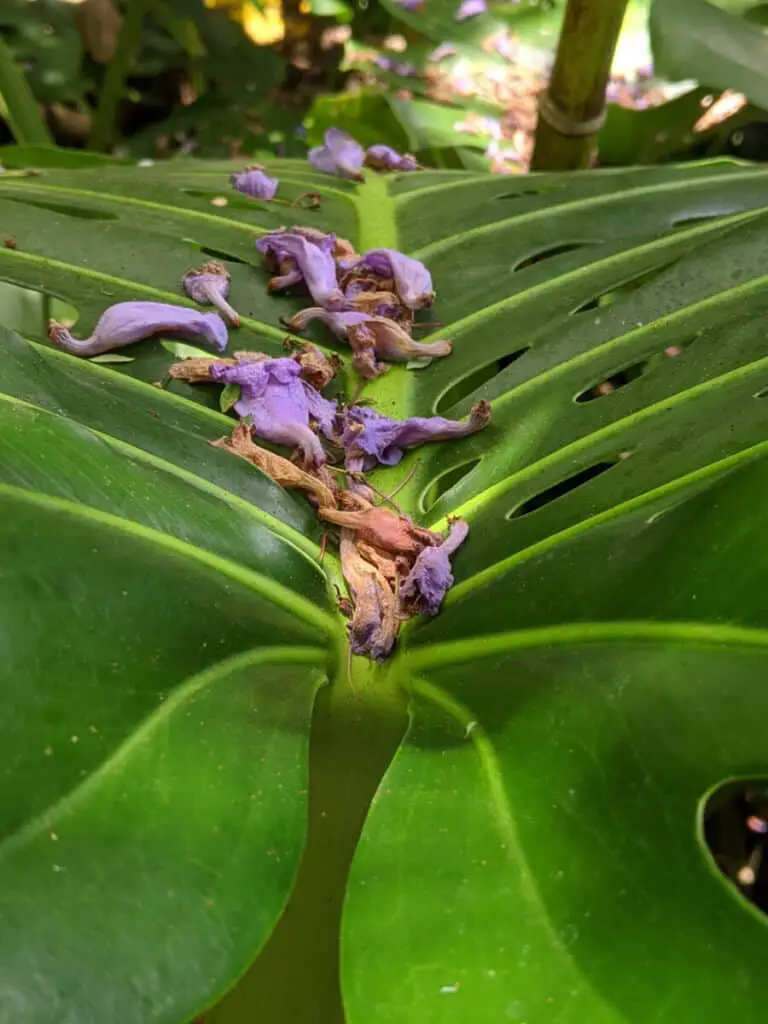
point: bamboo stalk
(103, 127)
(572, 109)
(20, 106)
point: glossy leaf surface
(533, 853)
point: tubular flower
(126, 322)
(299, 259)
(210, 286)
(412, 280)
(384, 158)
(470, 9)
(375, 620)
(370, 438)
(255, 183)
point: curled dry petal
(384, 158)
(126, 322)
(302, 260)
(375, 619)
(255, 183)
(370, 438)
(413, 282)
(470, 9)
(317, 368)
(196, 370)
(281, 470)
(210, 286)
(383, 529)
(280, 404)
(427, 583)
(340, 155)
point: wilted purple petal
(413, 282)
(375, 438)
(426, 584)
(470, 9)
(314, 262)
(126, 322)
(255, 183)
(210, 286)
(280, 403)
(340, 155)
(441, 52)
(384, 158)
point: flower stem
(103, 127)
(19, 103)
(572, 110)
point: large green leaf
(534, 851)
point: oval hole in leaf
(547, 254)
(543, 190)
(611, 295)
(27, 311)
(688, 222)
(466, 385)
(217, 254)
(82, 212)
(736, 832)
(436, 488)
(564, 486)
(625, 376)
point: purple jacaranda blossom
(372, 338)
(412, 280)
(425, 586)
(470, 9)
(340, 155)
(210, 286)
(255, 183)
(300, 259)
(384, 158)
(280, 404)
(441, 52)
(126, 322)
(369, 438)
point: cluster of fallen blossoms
(394, 568)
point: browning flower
(375, 619)
(425, 586)
(127, 322)
(383, 529)
(412, 280)
(210, 286)
(300, 259)
(384, 158)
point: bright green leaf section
(695, 39)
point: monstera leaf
(534, 850)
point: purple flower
(425, 586)
(340, 155)
(470, 9)
(372, 338)
(384, 158)
(441, 52)
(210, 286)
(302, 259)
(280, 404)
(370, 438)
(413, 282)
(255, 183)
(410, 5)
(126, 322)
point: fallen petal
(383, 529)
(255, 183)
(375, 619)
(315, 266)
(413, 282)
(470, 9)
(127, 322)
(384, 158)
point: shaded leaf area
(551, 789)
(155, 749)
